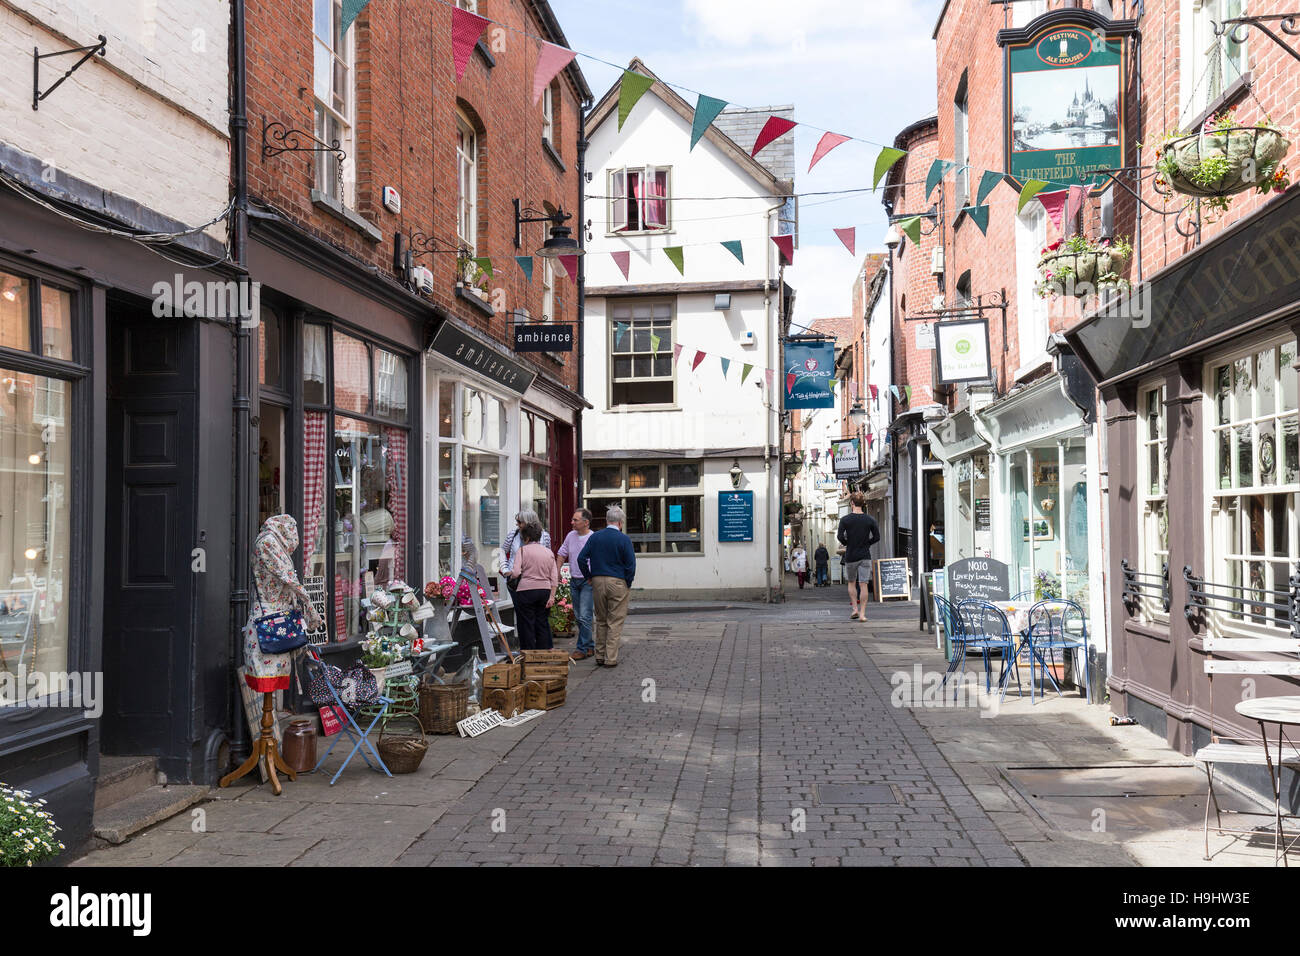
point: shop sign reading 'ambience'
(543, 337)
(464, 349)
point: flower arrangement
(1047, 586)
(561, 616)
(1224, 158)
(1080, 265)
(27, 829)
(472, 276)
(379, 650)
(463, 596)
(444, 589)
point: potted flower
(1081, 266)
(377, 652)
(1047, 586)
(27, 829)
(561, 616)
(464, 599)
(471, 277)
(440, 594)
(1223, 159)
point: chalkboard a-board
(982, 579)
(892, 580)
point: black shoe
(599, 662)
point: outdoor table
(1017, 614)
(1285, 712)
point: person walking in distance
(609, 563)
(821, 561)
(579, 586)
(799, 564)
(857, 532)
(536, 577)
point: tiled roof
(742, 127)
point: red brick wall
(406, 103)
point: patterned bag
(357, 686)
(280, 632)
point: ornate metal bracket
(1237, 28)
(278, 138)
(1295, 603)
(995, 300)
(1185, 223)
(1196, 606)
(424, 245)
(37, 56)
(932, 217)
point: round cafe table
(1017, 615)
(1285, 712)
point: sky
(864, 68)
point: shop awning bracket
(37, 56)
(976, 307)
(1237, 28)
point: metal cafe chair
(1059, 625)
(984, 628)
(360, 738)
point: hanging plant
(1081, 266)
(1223, 159)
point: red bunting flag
(828, 142)
(466, 28)
(1054, 203)
(874, 392)
(790, 379)
(786, 245)
(677, 353)
(849, 237)
(551, 59)
(1075, 202)
(570, 264)
(871, 439)
(774, 128)
(699, 357)
(624, 262)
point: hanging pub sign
(1063, 109)
(846, 456)
(963, 349)
(809, 368)
(543, 337)
(473, 353)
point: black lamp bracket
(932, 217)
(1185, 223)
(525, 214)
(37, 56)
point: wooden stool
(264, 747)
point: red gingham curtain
(395, 480)
(313, 478)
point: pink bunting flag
(551, 59)
(769, 377)
(871, 439)
(1054, 203)
(570, 264)
(466, 28)
(790, 379)
(828, 142)
(849, 237)
(874, 391)
(699, 357)
(774, 128)
(1075, 202)
(677, 353)
(624, 261)
(786, 245)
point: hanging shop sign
(1064, 112)
(736, 516)
(543, 337)
(479, 356)
(846, 457)
(809, 368)
(963, 348)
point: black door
(148, 581)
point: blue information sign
(809, 368)
(735, 516)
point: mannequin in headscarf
(277, 590)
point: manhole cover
(854, 794)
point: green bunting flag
(484, 263)
(1032, 188)
(937, 170)
(980, 216)
(888, 156)
(677, 256)
(988, 182)
(726, 365)
(526, 263)
(654, 344)
(744, 372)
(907, 394)
(707, 109)
(733, 246)
(912, 229)
(351, 10)
(631, 89)
(620, 330)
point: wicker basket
(442, 706)
(402, 753)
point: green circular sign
(962, 346)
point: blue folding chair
(985, 629)
(1061, 628)
(359, 737)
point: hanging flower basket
(1080, 266)
(1224, 159)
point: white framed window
(1253, 413)
(639, 199)
(548, 115)
(334, 90)
(466, 182)
(961, 137)
(1032, 316)
(663, 501)
(641, 354)
(1153, 492)
(548, 290)
(1022, 13)
(470, 5)
(1209, 64)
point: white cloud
(742, 22)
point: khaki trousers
(611, 596)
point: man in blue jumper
(608, 562)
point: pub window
(1255, 438)
(641, 354)
(1153, 491)
(664, 503)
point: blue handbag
(280, 632)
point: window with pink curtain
(656, 200)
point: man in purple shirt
(583, 596)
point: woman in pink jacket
(536, 579)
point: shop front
(1198, 375)
(968, 505)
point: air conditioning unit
(936, 261)
(422, 279)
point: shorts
(859, 571)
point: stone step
(122, 777)
(124, 819)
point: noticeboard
(893, 579)
(735, 516)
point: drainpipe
(774, 503)
(243, 377)
(582, 291)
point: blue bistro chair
(951, 623)
(1061, 629)
(1024, 596)
(351, 728)
(984, 628)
